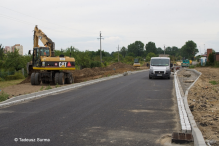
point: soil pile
(92, 73)
(27, 80)
(178, 63)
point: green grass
(57, 85)
(213, 82)
(3, 96)
(4, 84)
(41, 88)
(191, 66)
(48, 87)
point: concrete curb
(197, 135)
(184, 121)
(35, 95)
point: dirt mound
(102, 71)
(121, 65)
(178, 63)
(27, 80)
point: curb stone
(197, 135)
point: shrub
(211, 58)
(3, 74)
(105, 64)
(77, 67)
(216, 64)
(208, 63)
(198, 65)
(1, 79)
(191, 66)
(17, 75)
(3, 96)
(102, 65)
(95, 64)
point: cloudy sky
(78, 23)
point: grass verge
(4, 84)
(48, 87)
(3, 96)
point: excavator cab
(44, 51)
(37, 53)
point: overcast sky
(78, 23)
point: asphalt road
(130, 110)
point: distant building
(164, 55)
(217, 56)
(18, 47)
(7, 49)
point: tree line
(14, 61)
(138, 49)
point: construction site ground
(85, 74)
(203, 100)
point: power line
(33, 17)
(29, 23)
(15, 19)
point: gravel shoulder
(203, 101)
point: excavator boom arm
(38, 34)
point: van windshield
(160, 62)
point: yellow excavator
(45, 66)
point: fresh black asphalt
(129, 110)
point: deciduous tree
(123, 51)
(137, 48)
(189, 50)
(151, 48)
(1, 52)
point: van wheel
(168, 78)
(150, 77)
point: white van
(160, 67)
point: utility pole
(164, 49)
(118, 53)
(100, 47)
(200, 50)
